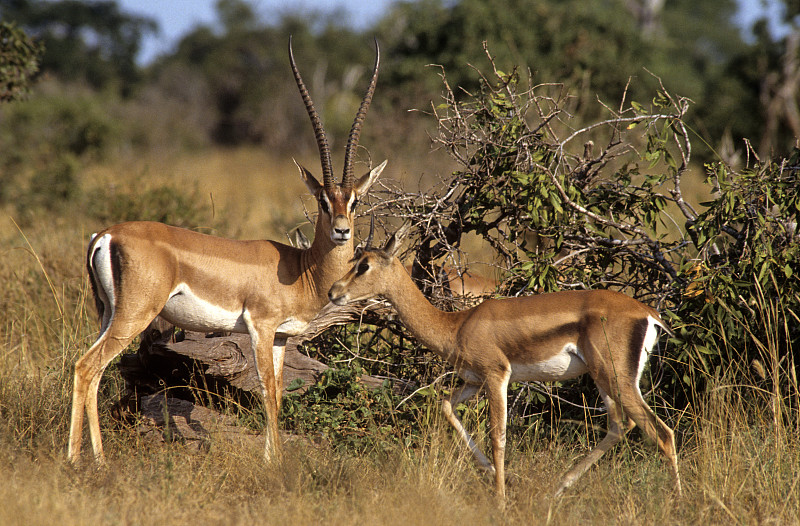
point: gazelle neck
(434, 328)
(325, 261)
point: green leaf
(556, 202)
(296, 384)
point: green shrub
(51, 125)
(603, 207)
(19, 62)
(167, 203)
(44, 143)
(741, 302)
(54, 185)
(340, 408)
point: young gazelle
(544, 337)
(140, 270)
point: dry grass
(739, 461)
(263, 196)
(727, 479)
(241, 185)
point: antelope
(545, 337)
(469, 284)
(465, 283)
(462, 283)
(269, 290)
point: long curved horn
(355, 131)
(319, 131)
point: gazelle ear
(366, 180)
(393, 244)
(311, 182)
(300, 240)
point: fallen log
(173, 376)
(224, 363)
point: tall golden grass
(739, 458)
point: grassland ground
(735, 474)
(738, 454)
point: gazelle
(460, 283)
(465, 283)
(544, 337)
(140, 270)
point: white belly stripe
(187, 310)
(567, 363)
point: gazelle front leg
(463, 394)
(261, 339)
(278, 355)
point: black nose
(342, 231)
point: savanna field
(738, 455)
(549, 186)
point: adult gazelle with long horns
(269, 290)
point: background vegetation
(634, 145)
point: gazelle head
(373, 271)
(337, 201)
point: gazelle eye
(323, 204)
(353, 206)
(362, 267)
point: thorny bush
(561, 205)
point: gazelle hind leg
(616, 430)
(80, 389)
(124, 325)
(498, 403)
(88, 372)
(462, 394)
